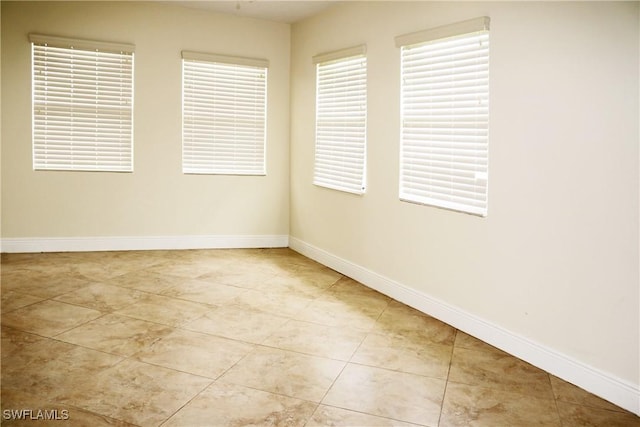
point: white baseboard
(83, 244)
(615, 390)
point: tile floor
(251, 338)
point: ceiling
(279, 11)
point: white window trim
(90, 127)
(70, 43)
(225, 59)
(200, 154)
(445, 31)
(446, 167)
(341, 147)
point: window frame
(444, 140)
(211, 67)
(82, 120)
(340, 153)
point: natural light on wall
(82, 105)
(341, 120)
(445, 116)
(224, 114)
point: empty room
(322, 213)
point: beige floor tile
(87, 256)
(499, 370)
(128, 261)
(410, 353)
(52, 369)
(47, 414)
(81, 417)
(237, 323)
(203, 292)
(100, 296)
(179, 255)
(136, 392)
(583, 416)
(280, 303)
(28, 258)
(63, 267)
(359, 300)
(471, 343)
(165, 310)
(15, 341)
(292, 284)
(347, 287)
(391, 394)
(331, 416)
(98, 271)
(41, 284)
(277, 260)
(195, 353)
(241, 275)
(12, 275)
(245, 254)
(283, 372)
(32, 260)
(316, 275)
(290, 261)
(318, 340)
(49, 318)
(470, 406)
(14, 300)
(146, 281)
(189, 269)
(236, 406)
(269, 264)
(332, 310)
(116, 334)
(569, 393)
(216, 256)
(400, 319)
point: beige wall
(157, 199)
(556, 260)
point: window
(445, 116)
(82, 105)
(224, 114)
(341, 120)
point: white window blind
(224, 114)
(445, 116)
(341, 119)
(82, 105)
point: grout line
(312, 414)
(446, 383)
(324, 396)
(555, 400)
(186, 403)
